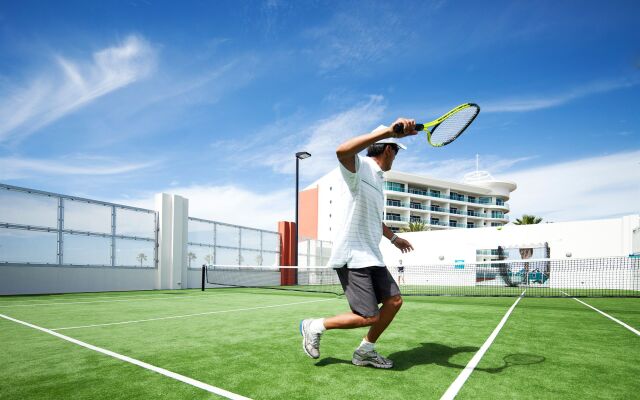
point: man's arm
(399, 242)
(348, 150)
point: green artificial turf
(247, 341)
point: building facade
(480, 201)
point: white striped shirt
(357, 242)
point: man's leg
(366, 354)
(388, 311)
(359, 290)
(349, 321)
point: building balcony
(395, 218)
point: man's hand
(403, 245)
(409, 126)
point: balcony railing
(396, 204)
(395, 218)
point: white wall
(595, 238)
(29, 279)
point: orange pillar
(287, 230)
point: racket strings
(452, 127)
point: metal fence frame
(215, 244)
(61, 231)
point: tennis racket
(449, 127)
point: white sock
(317, 326)
(366, 345)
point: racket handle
(399, 128)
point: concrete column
(172, 238)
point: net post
(204, 272)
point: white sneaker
(363, 358)
(310, 341)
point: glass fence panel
(250, 239)
(270, 241)
(200, 232)
(269, 258)
(135, 223)
(227, 235)
(226, 256)
(86, 250)
(82, 216)
(135, 253)
(199, 255)
(21, 246)
(24, 208)
(251, 257)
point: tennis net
(584, 277)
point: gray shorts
(365, 288)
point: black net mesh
(587, 277)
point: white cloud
(532, 103)
(322, 138)
(56, 93)
(589, 188)
(455, 169)
(230, 204)
(355, 39)
(21, 168)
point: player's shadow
(439, 354)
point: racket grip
(399, 128)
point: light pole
(301, 155)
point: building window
(485, 200)
(471, 225)
(499, 202)
(394, 203)
(435, 193)
(416, 218)
(472, 199)
(395, 186)
(417, 206)
(393, 217)
(421, 192)
(497, 214)
(496, 224)
(456, 196)
(453, 223)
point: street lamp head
(302, 155)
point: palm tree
(141, 257)
(416, 226)
(191, 256)
(528, 220)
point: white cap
(388, 140)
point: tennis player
(400, 272)
(356, 253)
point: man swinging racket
(356, 254)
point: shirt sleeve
(351, 178)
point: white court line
(65, 300)
(162, 371)
(135, 298)
(606, 315)
(455, 387)
(188, 315)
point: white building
(564, 240)
(479, 202)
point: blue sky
(211, 99)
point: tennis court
(245, 342)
